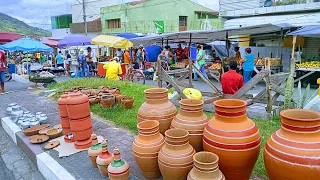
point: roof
(307, 31)
(208, 12)
(6, 37)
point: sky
(38, 12)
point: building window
(183, 20)
(114, 23)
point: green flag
(160, 26)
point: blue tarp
(127, 35)
(307, 31)
(26, 44)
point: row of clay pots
(109, 100)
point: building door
(183, 23)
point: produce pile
(45, 74)
(273, 61)
(215, 66)
(311, 64)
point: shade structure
(112, 41)
(6, 37)
(128, 35)
(74, 40)
(26, 44)
(50, 42)
(307, 31)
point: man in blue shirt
(248, 65)
(83, 64)
(59, 59)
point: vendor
(238, 54)
(180, 53)
(113, 69)
(248, 65)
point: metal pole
(190, 61)
(84, 17)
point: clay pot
(114, 90)
(78, 106)
(95, 150)
(65, 123)
(93, 99)
(119, 168)
(234, 138)
(82, 144)
(62, 105)
(175, 157)
(104, 159)
(107, 101)
(94, 92)
(293, 152)
(146, 147)
(157, 107)
(127, 102)
(85, 91)
(192, 119)
(81, 128)
(119, 97)
(205, 167)
(101, 88)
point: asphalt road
(5, 173)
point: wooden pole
(190, 60)
(293, 65)
(162, 43)
(268, 87)
(227, 43)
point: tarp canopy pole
(189, 60)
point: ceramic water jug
(43, 119)
(38, 114)
(33, 121)
(25, 124)
(26, 114)
(16, 113)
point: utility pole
(84, 17)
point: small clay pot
(94, 92)
(119, 97)
(114, 90)
(107, 101)
(93, 99)
(86, 91)
(127, 102)
(101, 87)
(54, 133)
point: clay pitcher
(205, 167)
(175, 157)
(192, 119)
(146, 147)
(104, 159)
(95, 150)
(119, 168)
(157, 107)
(234, 138)
(293, 152)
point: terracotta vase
(119, 168)
(95, 150)
(293, 152)
(205, 167)
(104, 159)
(146, 147)
(127, 102)
(234, 138)
(107, 101)
(157, 107)
(175, 157)
(192, 119)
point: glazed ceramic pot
(25, 124)
(127, 102)
(43, 119)
(175, 157)
(16, 113)
(157, 107)
(9, 108)
(146, 147)
(26, 114)
(95, 150)
(20, 120)
(38, 114)
(33, 121)
(119, 168)
(192, 119)
(234, 138)
(205, 167)
(107, 101)
(104, 159)
(293, 152)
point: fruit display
(273, 61)
(215, 66)
(309, 64)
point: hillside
(10, 24)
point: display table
(305, 72)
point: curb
(48, 167)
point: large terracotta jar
(95, 150)
(234, 138)
(175, 157)
(293, 152)
(205, 167)
(104, 159)
(192, 119)
(119, 168)
(157, 107)
(146, 147)
(64, 119)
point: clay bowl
(38, 139)
(35, 130)
(127, 102)
(45, 130)
(54, 133)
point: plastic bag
(155, 77)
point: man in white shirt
(91, 60)
(119, 54)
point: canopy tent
(74, 40)
(112, 41)
(50, 42)
(6, 37)
(127, 35)
(307, 31)
(26, 44)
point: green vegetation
(10, 24)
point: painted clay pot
(95, 150)
(293, 152)
(127, 102)
(175, 157)
(119, 168)
(104, 159)
(157, 107)
(234, 138)
(205, 167)
(107, 101)
(192, 119)
(146, 147)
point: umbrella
(6, 37)
(111, 41)
(50, 42)
(127, 35)
(74, 40)
(25, 44)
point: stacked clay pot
(64, 119)
(95, 150)
(205, 167)
(104, 159)
(234, 138)
(146, 147)
(175, 157)
(192, 119)
(119, 168)
(293, 152)
(157, 107)
(78, 108)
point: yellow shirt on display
(113, 69)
